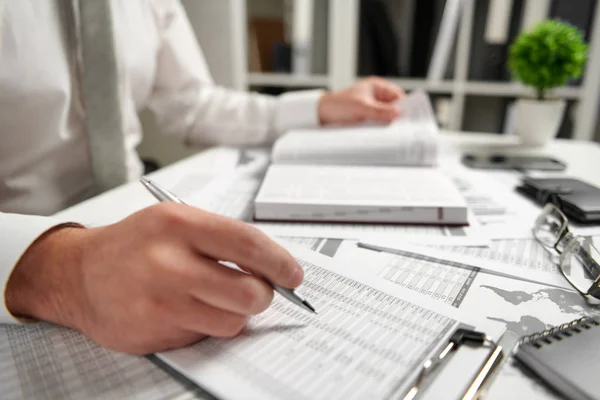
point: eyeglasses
(579, 261)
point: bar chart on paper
(446, 282)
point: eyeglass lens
(580, 263)
(550, 226)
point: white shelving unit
(342, 54)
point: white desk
(582, 159)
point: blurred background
(273, 46)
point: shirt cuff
(17, 233)
(298, 110)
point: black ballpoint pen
(164, 195)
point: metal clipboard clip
(460, 337)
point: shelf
(511, 89)
(416, 83)
(287, 80)
(477, 88)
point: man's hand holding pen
(152, 281)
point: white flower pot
(537, 121)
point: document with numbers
(368, 341)
(44, 361)
(513, 263)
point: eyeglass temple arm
(589, 262)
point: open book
(362, 174)
(412, 140)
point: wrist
(323, 108)
(45, 283)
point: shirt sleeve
(188, 104)
(17, 232)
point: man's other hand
(151, 282)
(371, 99)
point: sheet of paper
(437, 280)
(539, 272)
(368, 341)
(43, 361)
(426, 235)
(502, 212)
(190, 175)
(521, 253)
(524, 307)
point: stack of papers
(359, 194)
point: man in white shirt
(129, 286)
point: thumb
(386, 91)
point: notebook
(565, 357)
(382, 174)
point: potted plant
(544, 58)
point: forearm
(215, 115)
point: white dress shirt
(44, 156)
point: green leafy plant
(548, 56)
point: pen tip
(143, 179)
(309, 307)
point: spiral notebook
(566, 357)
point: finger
(386, 91)
(201, 318)
(226, 239)
(378, 111)
(222, 287)
(172, 340)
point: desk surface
(582, 159)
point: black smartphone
(521, 163)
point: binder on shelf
(445, 41)
(320, 40)
(302, 36)
(497, 23)
(535, 12)
(427, 17)
(494, 29)
(401, 15)
(264, 34)
(378, 46)
(565, 357)
(580, 17)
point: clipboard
(460, 339)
